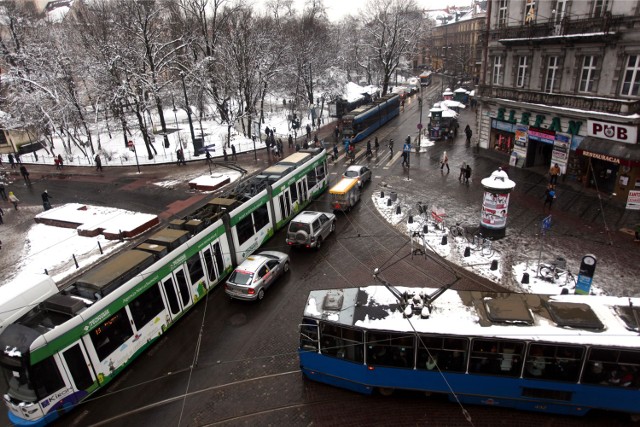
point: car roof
(354, 168)
(307, 216)
(252, 263)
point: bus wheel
(384, 391)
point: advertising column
(495, 204)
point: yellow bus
(345, 194)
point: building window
(631, 76)
(560, 10)
(503, 13)
(588, 74)
(600, 7)
(522, 71)
(553, 77)
(530, 12)
(497, 70)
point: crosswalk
(382, 159)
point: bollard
(444, 240)
(494, 265)
(100, 247)
(564, 291)
(382, 194)
(467, 252)
(398, 210)
(393, 196)
(425, 229)
(75, 260)
(525, 279)
(388, 202)
(410, 219)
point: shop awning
(610, 151)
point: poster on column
(494, 210)
(560, 153)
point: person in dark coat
(224, 154)
(290, 141)
(60, 162)
(1, 214)
(208, 155)
(98, 163)
(549, 197)
(45, 200)
(233, 152)
(12, 162)
(308, 131)
(25, 174)
(468, 132)
(467, 174)
(3, 193)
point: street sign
(546, 223)
(419, 126)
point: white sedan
(256, 274)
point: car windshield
(240, 277)
(351, 174)
(294, 227)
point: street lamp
(186, 100)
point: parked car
(310, 228)
(256, 274)
(362, 173)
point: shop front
(502, 136)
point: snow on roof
(468, 313)
(354, 92)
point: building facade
(561, 84)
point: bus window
(618, 368)
(390, 349)
(446, 354)
(341, 342)
(309, 336)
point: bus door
(78, 366)
(176, 290)
(285, 204)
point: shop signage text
(601, 157)
(612, 131)
(525, 118)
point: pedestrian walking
(46, 203)
(352, 153)
(391, 147)
(224, 154)
(14, 200)
(376, 145)
(208, 155)
(0, 159)
(233, 152)
(406, 150)
(467, 174)
(3, 193)
(335, 151)
(1, 215)
(369, 153)
(18, 161)
(25, 174)
(549, 197)
(444, 161)
(468, 132)
(56, 163)
(12, 162)
(336, 132)
(98, 163)
(554, 172)
(463, 171)
(60, 162)
(290, 141)
(308, 131)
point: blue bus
(562, 354)
(363, 121)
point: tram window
(261, 217)
(194, 265)
(390, 349)
(217, 253)
(294, 192)
(309, 336)
(496, 357)
(446, 354)
(171, 295)
(46, 377)
(554, 362)
(311, 178)
(244, 228)
(183, 287)
(618, 368)
(111, 334)
(146, 307)
(342, 342)
(208, 262)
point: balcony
(580, 102)
(569, 30)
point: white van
(18, 297)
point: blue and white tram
(77, 341)
(564, 354)
(363, 121)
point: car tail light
(251, 291)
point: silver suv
(310, 228)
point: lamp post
(186, 100)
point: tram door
(176, 290)
(302, 190)
(214, 263)
(285, 204)
(77, 364)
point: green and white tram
(77, 341)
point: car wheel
(260, 294)
(319, 243)
(333, 227)
(285, 268)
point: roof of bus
(574, 319)
(295, 159)
(344, 185)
